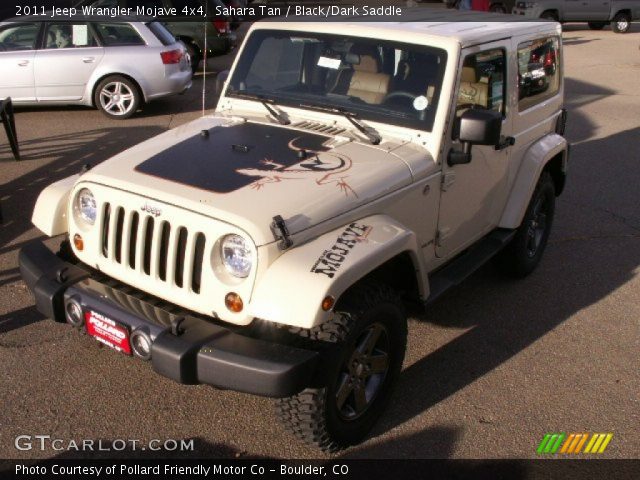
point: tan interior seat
(366, 81)
(471, 90)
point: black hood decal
(215, 160)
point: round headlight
(236, 255)
(86, 206)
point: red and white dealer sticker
(107, 331)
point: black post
(7, 119)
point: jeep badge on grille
(152, 210)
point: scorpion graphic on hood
(322, 167)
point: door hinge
(448, 179)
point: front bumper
(186, 348)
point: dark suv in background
(192, 31)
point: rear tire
(524, 252)
(498, 8)
(370, 333)
(550, 15)
(117, 97)
(621, 22)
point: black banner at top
(241, 11)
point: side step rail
(467, 263)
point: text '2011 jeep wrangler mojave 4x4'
(269, 248)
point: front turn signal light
(78, 242)
(233, 301)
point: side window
(118, 34)
(69, 35)
(161, 33)
(482, 82)
(17, 37)
(538, 71)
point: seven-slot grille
(152, 247)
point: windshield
(376, 80)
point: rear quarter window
(538, 71)
(118, 34)
(161, 33)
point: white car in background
(115, 66)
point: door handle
(505, 142)
(88, 59)
(23, 63)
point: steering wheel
(401, 94)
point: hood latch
(280, 232)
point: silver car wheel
(622, 25)
(116, 98)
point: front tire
(498, 8)
(117, 97)
(369, 331)
(621, 22)
(524, 252)
(550, 15)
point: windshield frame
(376, 113)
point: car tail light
(221, 26)
(171, 57)
(549, 59)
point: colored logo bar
(573, 443)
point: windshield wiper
(280, 116)
(369, 132)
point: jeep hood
(245, 173)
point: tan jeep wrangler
(270, 247)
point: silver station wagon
(115, 66)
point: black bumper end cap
(47, 276)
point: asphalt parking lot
(490, 368)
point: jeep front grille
(151, 247)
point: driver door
(473, 194)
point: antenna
(204, 59)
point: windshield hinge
(280, 232)
(448, 179)
(441, 234)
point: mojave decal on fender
(328, 265)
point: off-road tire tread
(507, 259)
(302, 414)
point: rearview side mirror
(475, 127)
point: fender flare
(291, 291)
(534, 161)
(50, 211)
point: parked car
(201, 26)
(597, 14)
(272, 247)
(115, 66)
(496, 6)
